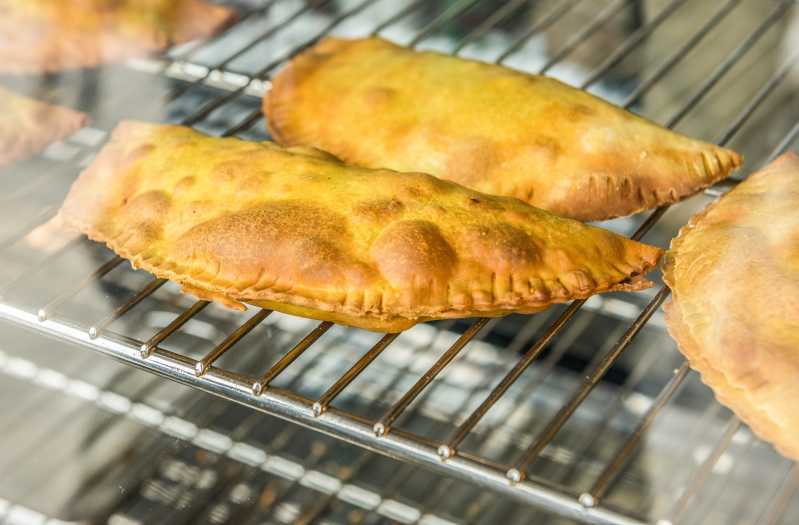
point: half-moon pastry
(52, 35)
(734, 275)
(487, 127)
(28, 126)
(297, 231)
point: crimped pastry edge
(249, 295)
(732, 397)
(650, 198)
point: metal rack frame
(380, 435)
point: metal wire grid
(339, 474)
(380, 434)
(191, 420)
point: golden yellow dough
(298, 231)
(51, 35)
(28, 126)
(487, 127)
(734, 276)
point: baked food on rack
(297, 231)
(734, 275)
(487, 127)
(52, 35)
(28, 126)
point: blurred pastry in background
(51, 35)
(27, 126)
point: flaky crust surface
(295, 230)
(51, 35)
(734, 276)
(28, 126)
(487, 127)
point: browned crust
(65, 48)
(732, 385)
(29, 126)
(403, 270)
(649, 167)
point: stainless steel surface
(576, 412)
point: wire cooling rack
(216, 85)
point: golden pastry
(28, 126)
(297, 231)
(734, 275)
(492, 129)
(51, 35)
